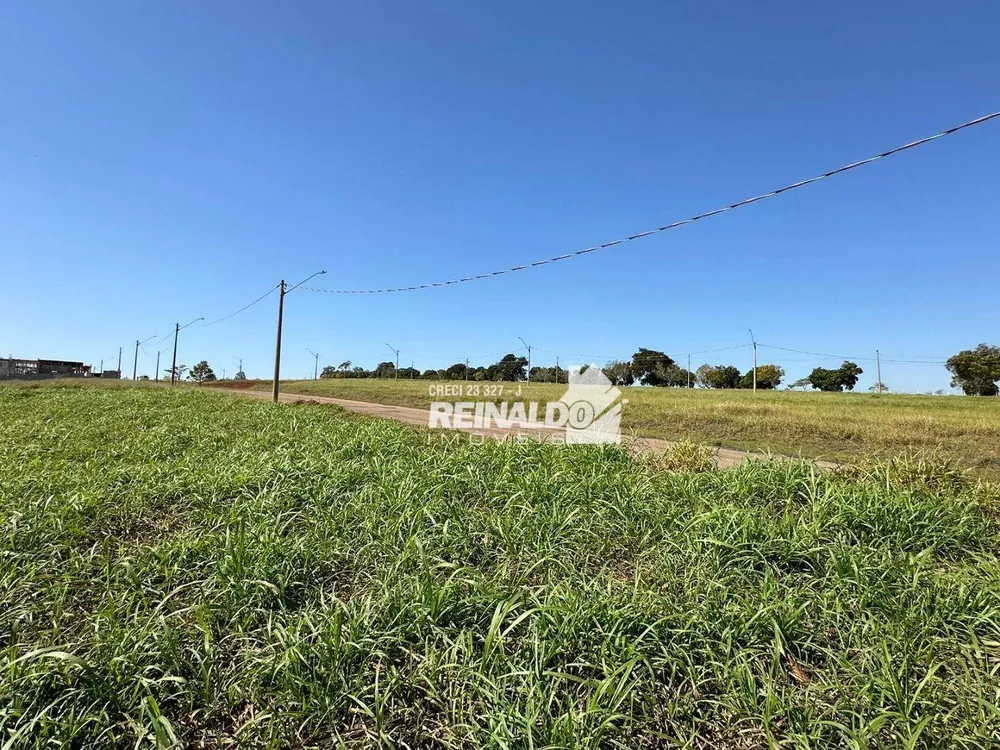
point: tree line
(975, 371)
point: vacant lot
(817, 425)
(186, 568)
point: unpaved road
(724, 457)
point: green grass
(185, 568)
(832, 426)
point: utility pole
(177, 329)
(135, 362)
(102, 367)
(395, 374)
(283, 289)
(173, 366)
(529, 357)
(754, 360)
(411, 369)
(156, 372)
(466, 368)
(689, 371)
(316, 365)
(277, 342)
(878, 367)
(119, 361)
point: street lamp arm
(291, 288)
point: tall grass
(189, 569)
(839, 427)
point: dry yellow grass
(816, 425)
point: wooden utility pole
(316, 366)
(156, 373)
(754, 360)
(878, 369)
(528, 346)
(173, 367)
(277, 342)
(282, 291)
(135, 362)
(689, 371)
(119, 361)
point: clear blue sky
(163, 161)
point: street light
(177, 329)
(529, 357)
(283, 290)
(316, 367)
(395, 374)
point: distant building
(42, 368)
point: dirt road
(724, 457)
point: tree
(674, 376)
(619, 373)
(201, 373)
(457, 371)
(976, 371)
(385, 370)
(511, 368)
(645, 363)
(344, 366)
(768, 377)
(240, 375)
(800, 383)
(844, 377)
(328, 372)
(178, 373)
(722, 376)
(879, 388)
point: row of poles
(284, 289)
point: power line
(632, 356)
(261, 298)
(674, 225)
(921, 361)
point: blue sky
(165, 161)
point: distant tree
(800, 383)
(768, 377)
(976, 371)
(720, 377)
(844, 377)
(240, 375)
(201, 373)
(178, 373)
(648, 365)
(879, 388)
(408, 373)
(619, 373)
(509, 368)
(344, 366)
(385, 370)
(457, 371)
(328, 372)
(674, 376)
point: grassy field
(815, 425)
(184, 568)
